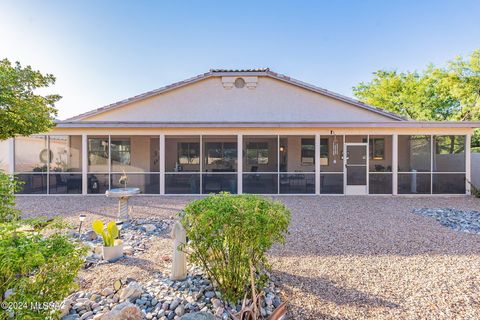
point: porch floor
(346, 257)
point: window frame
(190, 159)
(258, 149)
(303, 150)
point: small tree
(22, 112)
(230, 234)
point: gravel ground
(345, 257)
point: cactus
(109, 234)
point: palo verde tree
(437, 93)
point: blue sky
(105, 51)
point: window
(257, 153)
(377, 148)
(324, 151)
(188, 153)
(218, 152)
(97, 151)
(121, 151)
(308, 151)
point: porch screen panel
(49, 164)
(219, 164)
(297, 164)
(98, 153)
(331, 164)
(31, 163)
(182, 164)
(65, 168)
(414, 164)
(380, 164)
(138, 157)
(260, 164)
(448, 165)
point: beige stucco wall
(207, 100)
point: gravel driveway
(345, 257)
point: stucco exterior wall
(207, 100)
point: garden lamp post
(81, 218)
(119, 224)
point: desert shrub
(36, 271)
(8, 187)
(229, 233)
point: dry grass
(345, 258)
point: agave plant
(109, 234)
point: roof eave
(148, 124)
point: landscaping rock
(90, 235)
(132, 291)
(107, 291)
(458, 220)
(198, 316)
(123, 311)
(149, 227)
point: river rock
(149, 227)
(198, 316)
(123, 311)
(90, 235)
(132, 291)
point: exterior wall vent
(239, 82)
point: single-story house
(243, 131)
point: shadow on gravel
(325, 289)
(141, 263)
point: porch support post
(84, 164)
(468, 163)
(11, 156)
(317, 164)
(395, 164)
(240, 163)
(162, 163)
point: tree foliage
(229, 234)
(437, 93)
(23, 111)
(8, 187)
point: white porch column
(162, 163)
(11, 156)
(239, 163)
(317, 164)
(84, 164)
(468, 163)
(395, 164)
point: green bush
(37, 270)
(8, 187)
(228, 233)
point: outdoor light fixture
(81, 218)
(282, 148)
(119, 224)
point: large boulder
(132, 291)
(123, 311)
(198, 316)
